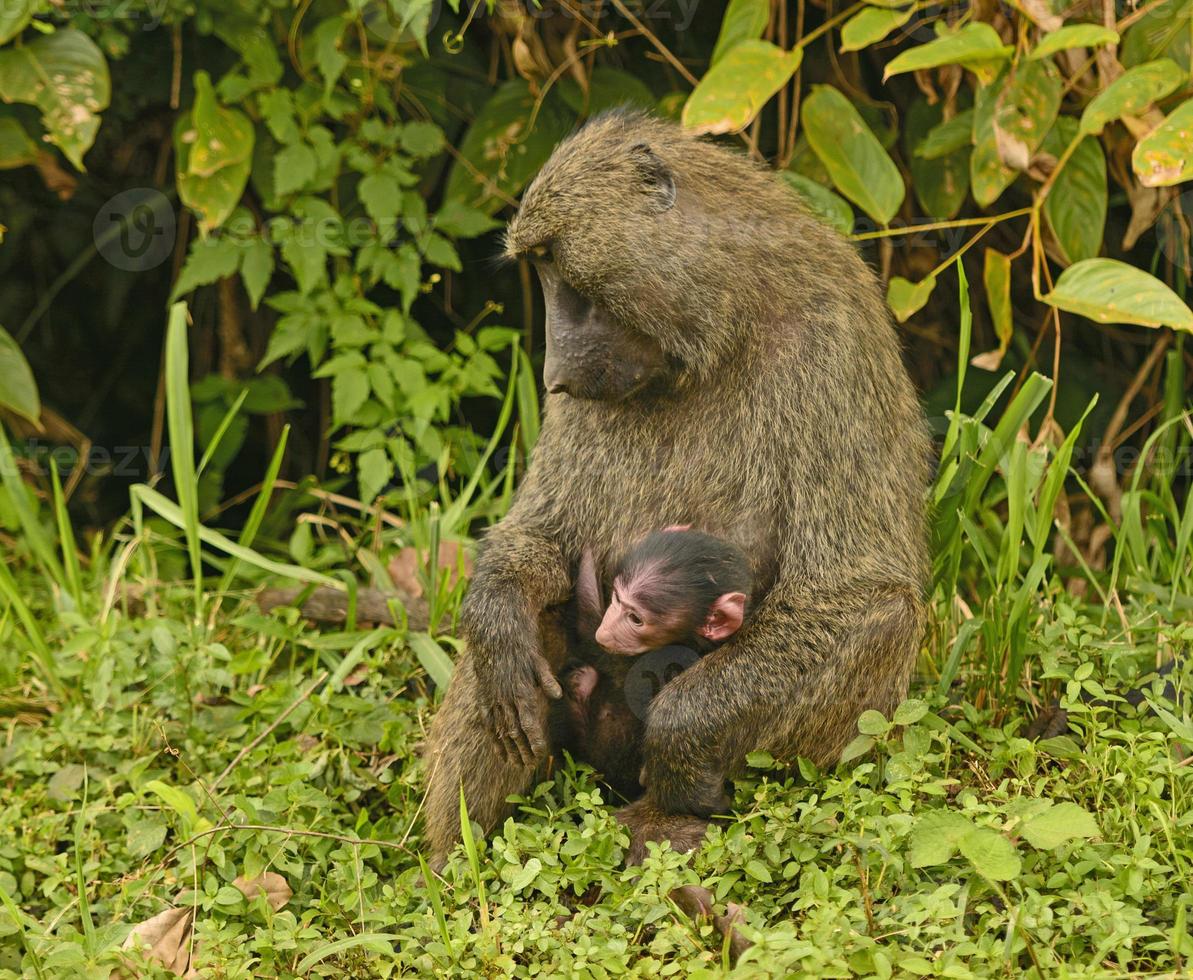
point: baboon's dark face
(589, 354)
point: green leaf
(256, 269)
(992, 855)
(16, 147)
(826, 205)
(330, 60)
(940, 182)
(989, 176)
(872, 723)
(735, 89)
(608, 88)
(434, 661)
(856, 161)
(18, 390)
(208, 261)
(1059, 825)
(757, 870)
(219, 137)
(1073, 36)
(374, 470)
(947, 137)
(935, 837)
(1109, 291)
(1131, 93)
(872, 24)
(294, 167)
(906, 298)
(1076, 205)
(382, 197)
(457, 219)
(910, 711)
(744, 20)
(1025, 110)
(65, 75)
(422, 139)
(977, 46)
(499, 153)
(349, 391)
(14, 18)
(1165, 156)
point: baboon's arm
(520, 570)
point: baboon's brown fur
(788, 425)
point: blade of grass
(221, 430)
(19, 922)
(164, 507)
(10, 591)
(66, 539)
(260, 506)
(474, 862)
(434, 893)
(182, 442)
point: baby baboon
(715, 356)
(678, 594)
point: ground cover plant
(254, 342)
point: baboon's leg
(795, 684)
(462, 752)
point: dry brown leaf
(988, 360)
(405, 566)
(166, 938)
(269, 883)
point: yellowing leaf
(977, 46)
(996, 275)
(744, 20)
(1110, 291)
(1131, 93)
(1025, 110)
(905, 297)
(1165, 155)
(18, 390)
(735, 89)
(856, 161)
(65, 75)
(872, 24)
(1073, 36)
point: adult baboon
(716, 357)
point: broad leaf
(1059, 825)
(977, 46)
(14, 18)
(1131, 93)
(855, 160)
(501, 150)
(744, 20)
(989, 176)
(1025, 111)
(18, 390)
(940, 182)
(992, 855)
(735, 89)
(1073, 36)
(1110, 291)
(608, 88)
(947, 137)
(872, 24)
(822, 202)
(935, 837)
(905, 297)
(1076, 205)
(16, 147)
(65, 75)
(213, 149)
(1165, 155)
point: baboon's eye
(541, 252)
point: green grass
(163, 739)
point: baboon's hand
(511, 704)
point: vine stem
(937, 225)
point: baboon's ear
(657, 180)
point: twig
(288, 831)
(646, 32)
(269, 728)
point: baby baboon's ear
(657, 179)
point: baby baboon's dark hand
(512, 705)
